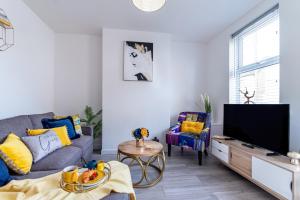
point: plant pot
(140, 143)
(97, 144)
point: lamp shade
(149, 5)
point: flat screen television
(262, 125)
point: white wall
(217, 70)
(77, 73)
(290, 65)
(27, 68)
(186, 77)
(131, 104)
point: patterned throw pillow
(76, 122)
(42, 145)
(191, 117)
(15, 154)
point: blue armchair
(197, 142)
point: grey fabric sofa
(81, 148)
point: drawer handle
(219, 150)
(291, 185)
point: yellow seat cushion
(16, 155)
(192, 127)
(61, 132)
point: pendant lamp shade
(149, 5)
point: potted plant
(94, 120)
(207, 107)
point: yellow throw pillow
(192, 127)
(76, 122)
(16, 154)
(61, 132)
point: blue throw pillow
(68, 122)
(4, 174)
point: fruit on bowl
(91, 176)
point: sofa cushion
(59, 159)
(68, 122)
(32, 175)
(17, 125)
(84, 142)
(36, 120)
(4, 174)
(42, 145)
(16, 154)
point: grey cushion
(36, 119)
(17, 125)
(59, 159)
(42, 145)
(36, 174)
(84, 142)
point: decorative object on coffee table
(139, 135)
(155, 155)
(80, 180)
(295, 157)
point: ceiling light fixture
(149, 5)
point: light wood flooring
(184, 179)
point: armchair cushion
(192, 127)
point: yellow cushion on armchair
(192, 127)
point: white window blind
(255, 63)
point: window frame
(237, 37)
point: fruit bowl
(96, 180)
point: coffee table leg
(144, 165)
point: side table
(151, 151)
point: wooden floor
(185, 180)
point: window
(255, 65)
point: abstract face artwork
(138, 61)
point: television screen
(263, 125)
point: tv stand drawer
(220, 150)
(218, 145)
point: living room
(67, 61)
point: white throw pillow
(42, 145)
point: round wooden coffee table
(151, 155)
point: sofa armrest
(87, 130)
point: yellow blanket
(47, 188)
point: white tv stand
(274, 174)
